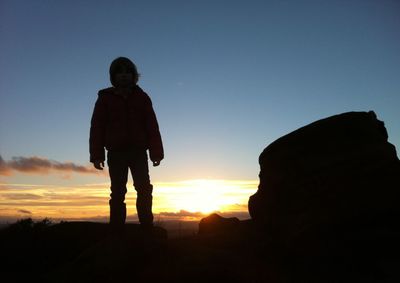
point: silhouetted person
(125, 124)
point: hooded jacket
(124, 120)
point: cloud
(188, 215)
(39, 165)
(4, 170)
(20, 196)
(182, 213)
(24, 211)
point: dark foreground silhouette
(88, 252)
(326, 210)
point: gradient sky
(226, 77)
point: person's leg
(141, 181)
(118, 170)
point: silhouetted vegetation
(28, 225)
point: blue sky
(226, 77)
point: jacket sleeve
(153, 133)
(97, 130)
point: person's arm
(155, 142)
(97, 134)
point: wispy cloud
(20, 196)
(39, 165)
(23, 211)
(182, 213)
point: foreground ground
(89, 252)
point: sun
(203, 196)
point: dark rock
(331, 190)
(333, 169)
(217, 224)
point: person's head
(123, 72)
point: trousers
(119, 163)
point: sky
(226, 79)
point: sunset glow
(185, 200)
(205, 196)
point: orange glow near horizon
(205, 196)
(184, 200)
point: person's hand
(156, 163)
(98, 164)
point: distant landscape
(175, 228)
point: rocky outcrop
(215, 223)
(335, 169)
(330, 189)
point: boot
(117, 217)
(144, 203)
